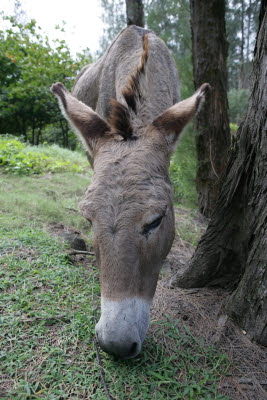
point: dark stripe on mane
(132, 90)
(120, 118)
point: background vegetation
(21, 158)
(29, 65)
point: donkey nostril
(133, 349)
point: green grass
(45, 198)
(46, 317)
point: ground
(50, 302)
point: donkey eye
(148, 227)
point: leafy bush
(22, 159)
(29, 66)
(9, 147)
(233, 128)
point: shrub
(233, 128)
(22, 159)
(9, 147)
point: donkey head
(130, 205)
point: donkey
(125, 110)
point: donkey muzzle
(122, 326)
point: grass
(45, 198)
(188, 228)
(46, 317)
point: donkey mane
(132, 91)
(121, 116)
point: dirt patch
(72, 237)
(77, 243)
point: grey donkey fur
(125, 109)
(98, 83)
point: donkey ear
(172, 121)
(88, 125)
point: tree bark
(135, 12)
(65, 133)
(233, 251)
(209, 48)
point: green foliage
(238, 102)
(8, 147)
(29, 66)
(23, 159)
(233, 128)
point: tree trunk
(135, 12)
(33, 130)
(65, 133)
(23, 128)
(33, 133)
(209, 48)
(233, 251)
(38, 135)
